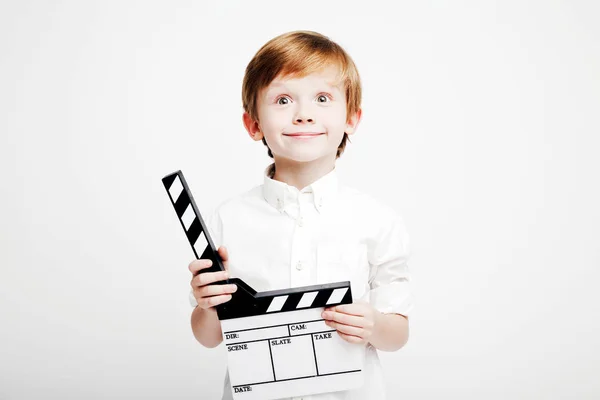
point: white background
(480, 126)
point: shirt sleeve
(215, 230)
(389, 279)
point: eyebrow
(277, 85)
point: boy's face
(302, 119)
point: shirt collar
(280, 194)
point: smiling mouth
(303, 134)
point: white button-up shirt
(280, 237)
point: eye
(283, 101)
(323, 98)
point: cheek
(273, 123)
(335, 118)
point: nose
(302, 116)
(299, 120)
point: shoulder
(371, 207)
(382, 223)
(228, 212)
(233, 205)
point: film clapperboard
(277, 342)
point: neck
(302, 174)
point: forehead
(329, 76)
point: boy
(301, 96)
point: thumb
(224, 255)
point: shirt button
(299, 266)
(300, 221)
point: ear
(252, 127)
(353, 122)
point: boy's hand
(208, 295)
(354, 322)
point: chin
(300, 159)
(305, 157)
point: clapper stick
(192, 222)
(278, 345)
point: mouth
(303, 135)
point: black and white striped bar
(247, 303)
(308, 300)
(190, 218)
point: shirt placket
(301, 267)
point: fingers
(352, 328)
(351, 309)
(350, 334)
(208, 302)
(347, 319)
(198, 265)
(215, 290)
(208, 277)
(347, 329)
(208, 295)
(351, 339)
